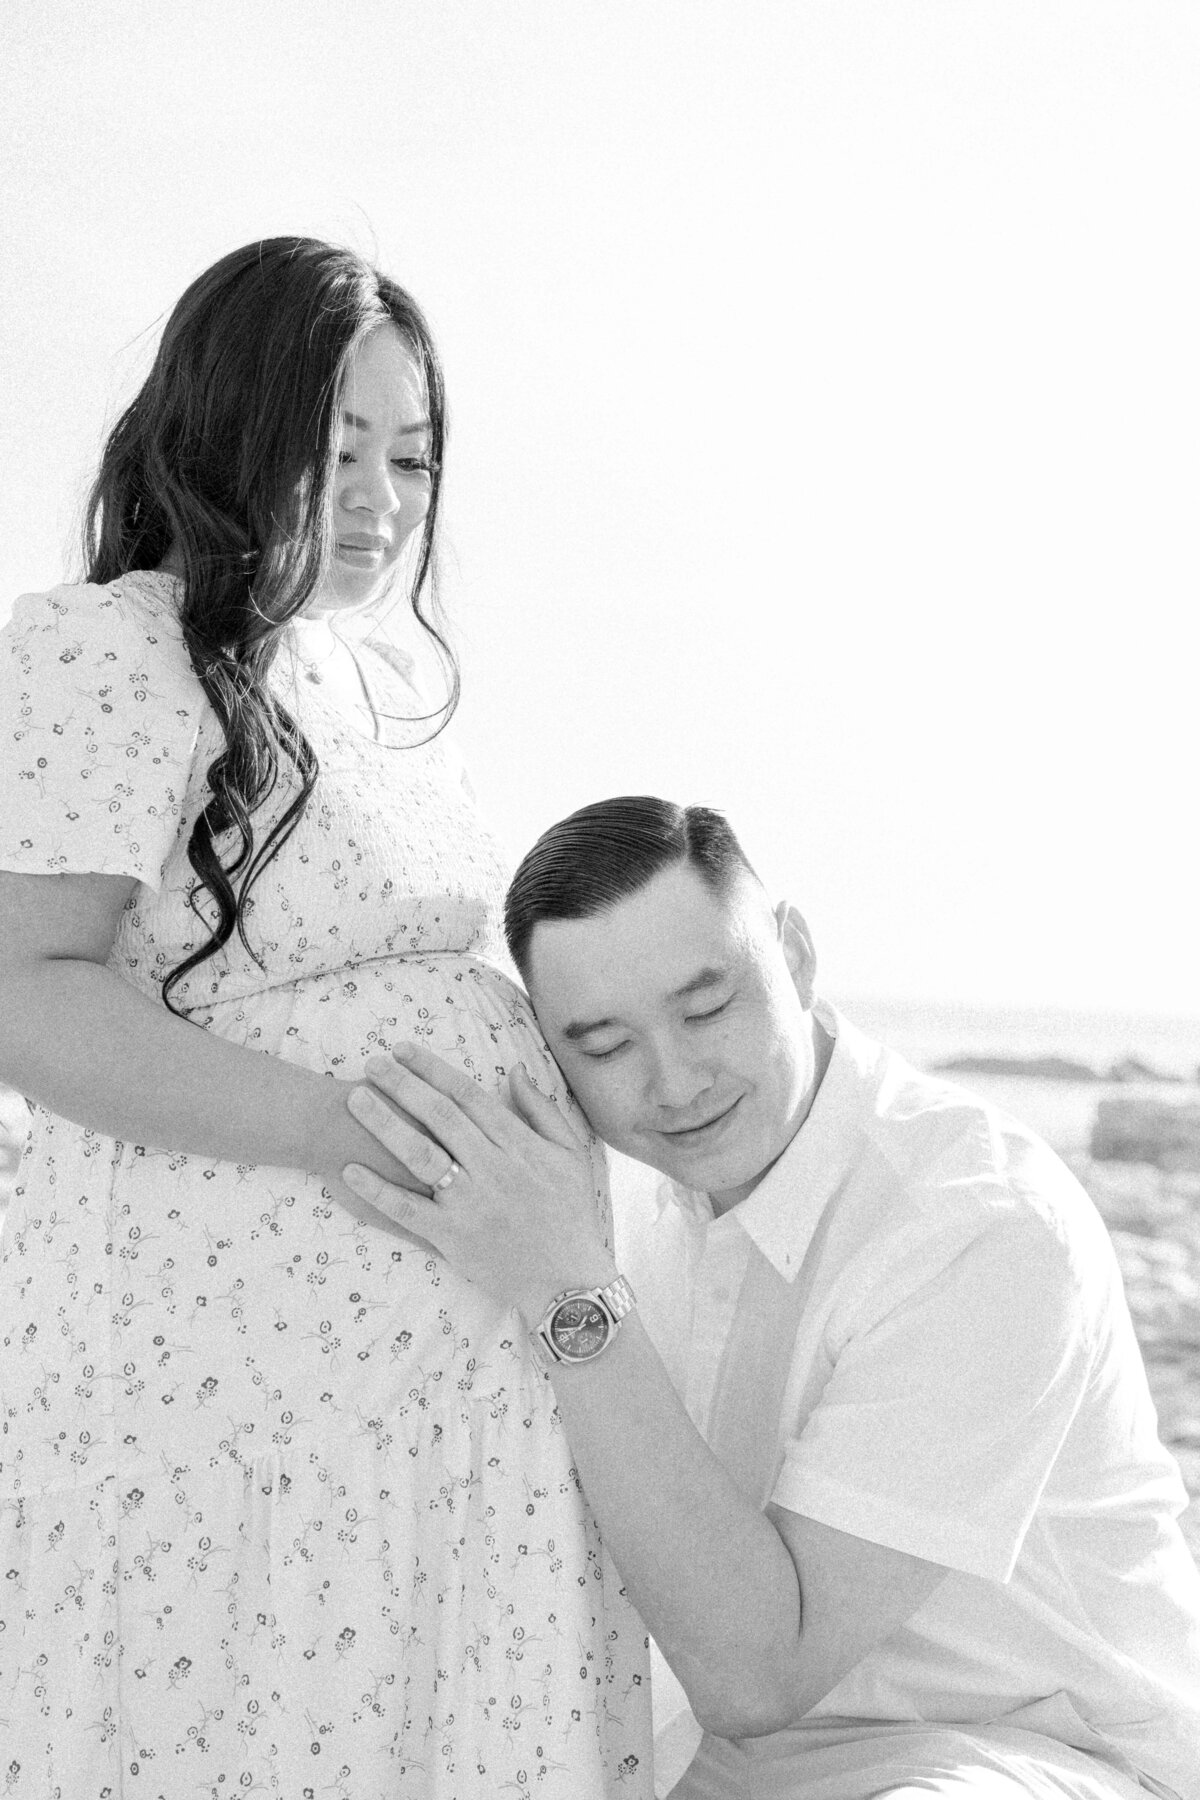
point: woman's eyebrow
(361, 424)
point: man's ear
(795, 940)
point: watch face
(579, 1328)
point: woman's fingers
(413, 1211)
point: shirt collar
(781, 1213)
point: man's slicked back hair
(606, 852)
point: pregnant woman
(285, 1505)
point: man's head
(676, 1001)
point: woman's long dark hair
(225, 459)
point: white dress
(285, 1507)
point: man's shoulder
(932, 1148)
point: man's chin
(711, 1173)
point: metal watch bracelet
(614, 1301)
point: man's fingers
(426, 1158)
(431, 1090)
(450, 1107)
(541, 1113)
(385, 1073)
(486, 1110)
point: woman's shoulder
(143, 600)
(82, 652)
(101, 712)
(130, 624)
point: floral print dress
(285, 1505)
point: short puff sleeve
(99, 715)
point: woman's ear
(795, 940)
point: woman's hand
(334, 1137)
(507, 1196)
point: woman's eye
(694, 1018)
(411, 465)
(603, 1055)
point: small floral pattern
(285, 1507)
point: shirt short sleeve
(940, 1424)
(99, 715)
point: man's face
(680, 1018)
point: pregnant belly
(245, 1309)
(460, 1006)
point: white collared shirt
(913, 1330)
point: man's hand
(512, 1205)
(717, 1580)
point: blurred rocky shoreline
(1140, 1114)
(1153, 1217)
(1150, 1202)
(1063, 1068)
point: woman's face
(381, 490)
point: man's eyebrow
(581, 1028)
(707, 978)
(700, 983)
(361, 424)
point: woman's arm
(86, 1044)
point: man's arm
(760, 1614)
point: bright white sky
(825, 380)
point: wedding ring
(444, 1181)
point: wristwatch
(581, 1322)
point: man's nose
(677, 1080)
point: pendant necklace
(315, 673)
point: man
(875, 1453)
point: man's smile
(704, 1131)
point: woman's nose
(372, 490)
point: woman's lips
(362, 555)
